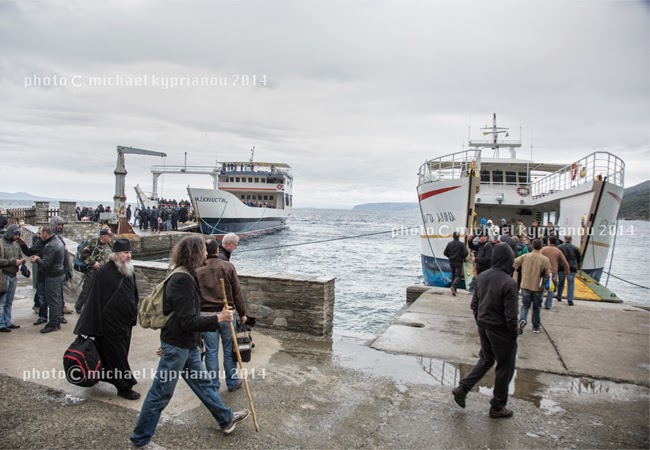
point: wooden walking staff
(241, 364)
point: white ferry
(455, 191)
(250, 198)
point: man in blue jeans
(181, 357)
(535, 269)
(212, 301)
(10, 261)
(572, 255)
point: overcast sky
(354, 95)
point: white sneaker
(237, 417)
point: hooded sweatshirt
(10, 252)
(495, 300)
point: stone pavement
(315, 393)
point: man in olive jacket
(495, 307)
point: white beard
(125, 268)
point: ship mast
(493, 141)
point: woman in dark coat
(109, 316)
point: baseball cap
(105, 232)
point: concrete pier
(595, 339)
(312, 392)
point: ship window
(497, 176)
(266, 197)
(271, 198)
(248, 197)
(250, 180)
(511, 177)
(243, 197)
(257, 180)
(523, 177)
(485, 176)
(237, 179)
(232, 179)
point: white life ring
(280, 186)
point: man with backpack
(91, 255)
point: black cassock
(110, 319)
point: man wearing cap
(10, 261)
(109, 316)
(94, 254)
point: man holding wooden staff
(212, 301)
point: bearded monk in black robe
(109, 316)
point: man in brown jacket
(556, 257)
(212, 302)
(535, 269)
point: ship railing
(181, 169)
(600, 166)
(452, 166)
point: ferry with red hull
(581, 198)
(251, 198)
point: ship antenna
(252, 154)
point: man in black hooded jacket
(495, 307)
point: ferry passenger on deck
(534, 232)
(495, 308)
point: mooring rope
(322, 240)
(634, 284)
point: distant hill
(636, 202)
(396, 206)
(23, 196)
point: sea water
(373, 270)
(375, 256)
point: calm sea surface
(372, 272)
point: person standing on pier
(228, 245)
(572, 255)
(212, 302)
(535, 269)
(94, 254)
(10, 262)
(556, 258)
(51, 267)
(495, 307)
(456, 252)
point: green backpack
(150, 314)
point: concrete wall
(277, 300)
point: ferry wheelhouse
(455, 191)
(251, 198)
